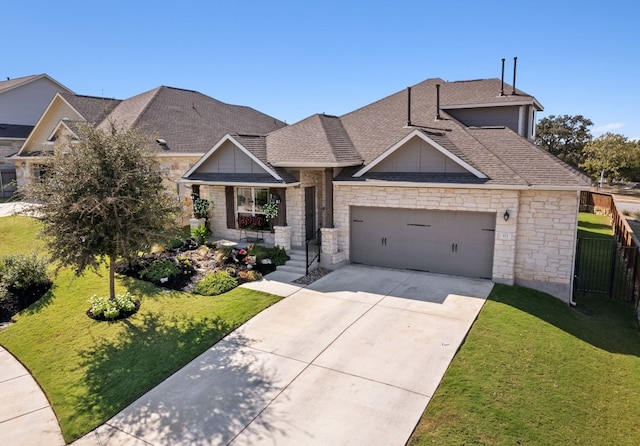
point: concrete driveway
(352, 359)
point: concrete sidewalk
(26, 418)
(354, 358)
(14, 208)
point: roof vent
(162, 143)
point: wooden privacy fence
(627, 242)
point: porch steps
(297, 262)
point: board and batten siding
(25, 104)
(229, 158)
(488, 116)
(418, 156)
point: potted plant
(270, 210)
(201, 208)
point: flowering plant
(251, 222)
(270, 210)
(201, 207)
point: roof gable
(59, 109)
(18, 82)
(230, 157)
(419, 152)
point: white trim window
(249, 206)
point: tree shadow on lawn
(139, 287)
(209, 401)
(604, 323)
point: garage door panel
(446, 242)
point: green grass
(594, 226)
(91, 370)
(534, 371)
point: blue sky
(291, 59)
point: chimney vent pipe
(502, 86)
(438, 102)
(515, 61)
(409, 107)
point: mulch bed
(313, 275)
(122, 315)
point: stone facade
(545, 252)
(535, 247)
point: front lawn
(91, 370)
(534, 371)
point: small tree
(101, 198)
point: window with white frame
(249, 207)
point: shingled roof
(91, 108)
(365, 134)
(189, 121)
(317, 140)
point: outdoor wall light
(506, 215)
(276, 198)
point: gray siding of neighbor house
(418, 156)
(230, 159)
(488, 116)
(25, 104)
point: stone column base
(282, 237)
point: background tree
(564, 136)
(613, 157)
(102, 197)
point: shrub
(21, 271)
(103, 307)
(199, 234)
(215, 283)
(277, 254)
(159, 269)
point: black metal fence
(313, 248)
(604, 266)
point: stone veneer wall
(534, 248)
(545, 251)
(295, 204)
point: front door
(310, 212)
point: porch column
(328, 197)
(282, 237)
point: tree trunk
(112, 278)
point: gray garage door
(456, 243)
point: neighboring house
(22, 101)
(183, 123)
(441, 177)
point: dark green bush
(277, 255)
(22, 271)
(215, 283)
